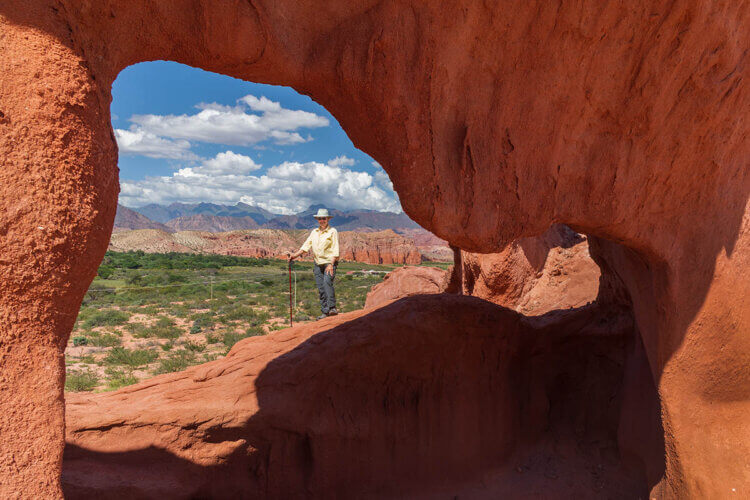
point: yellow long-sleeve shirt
(324, 245)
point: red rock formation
(430, 246)
(382, 247)
(405, 282)
(534, 275)
(494, 120)
(399, 385)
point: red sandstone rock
(381, 247)
(430, 246)
(494, 120)
(384, 414)
(534, 275)
(407, 281)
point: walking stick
(291, 322)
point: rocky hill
(429, 246)
(165, 213)
(130, 219)
(380, 247)
(214, 217)
(211, 223)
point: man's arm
(296, 254)
(303, 249)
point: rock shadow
(429, 396)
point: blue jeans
(325, 287)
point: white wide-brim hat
(322, 214)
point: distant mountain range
(163, 214)
(212, 217)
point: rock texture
(494, 120)
(534, 275)
(430, 246)
(381, 247)
(405, 282)
(399, 385)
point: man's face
(323, 223)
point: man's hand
(329, 269)
(291, 256)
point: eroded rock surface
(405, 282)
(385, 414)
(494, 120)
(534, 275)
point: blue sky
(188, 135)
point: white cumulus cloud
(228, 162)
(141, 142)
(287, 188)
(252, 121)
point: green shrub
(105, 271)
(106, 340)
(212, 338)
(201, 321)
(134, 357)
(167, 346)
(239, 313)
(80, 380)
(118, 378)
(87, 359)
(138, 330)
(164, 328)
(80, 340)
(231, 338)
(106, 317)
(195, 347)
(176, 361)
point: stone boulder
(406, 281)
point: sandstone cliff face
(534, 275)
(382, 247)
(430, 246)
(494, 120)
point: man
(324, 243)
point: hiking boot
(322, 316)
(333, 312)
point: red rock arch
(624, 121)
